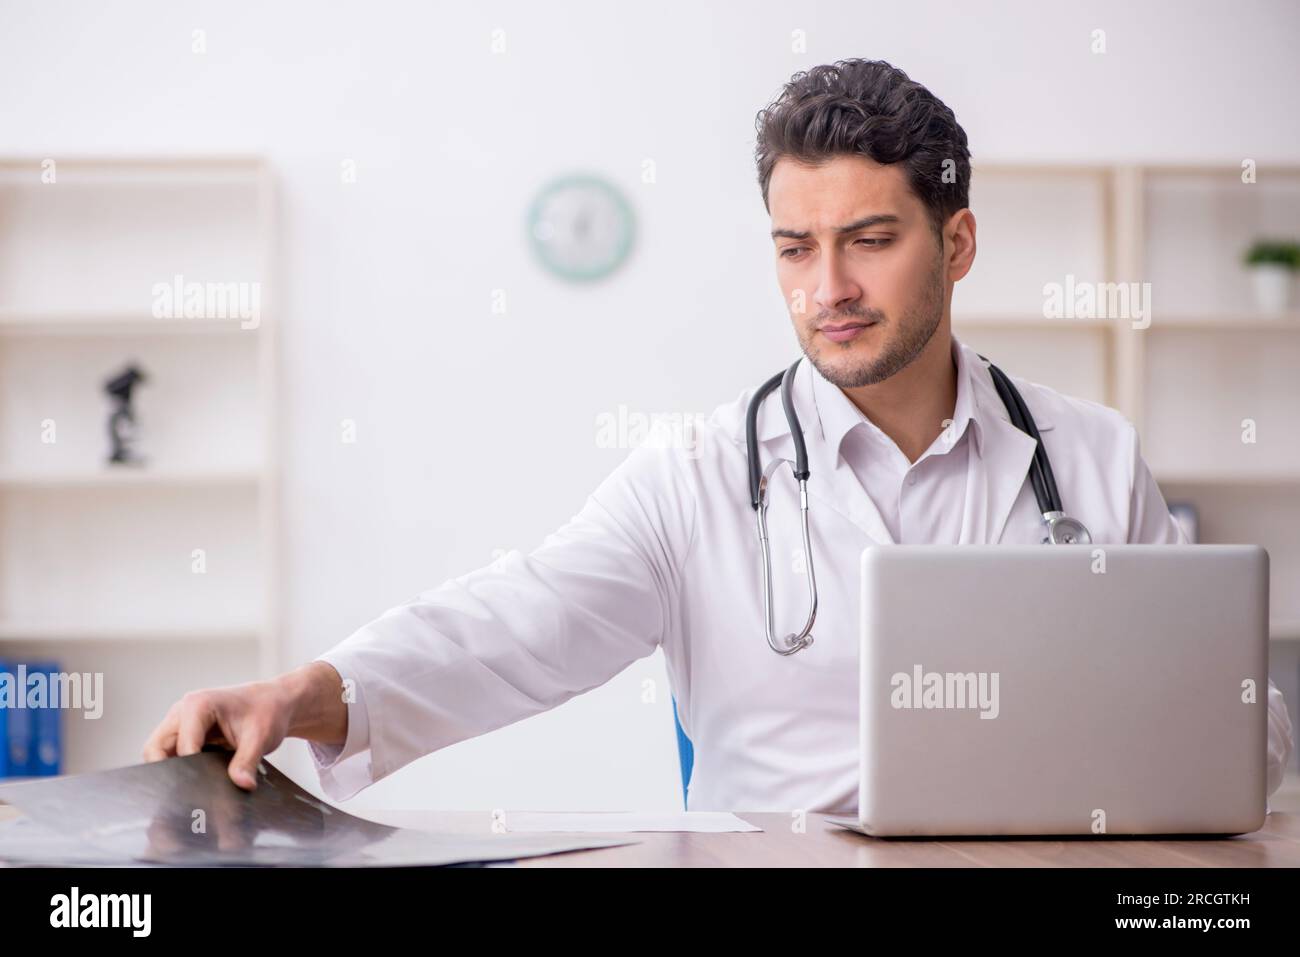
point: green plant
(1274, 251)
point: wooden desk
(825, 845)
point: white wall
(475, 431)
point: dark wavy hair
(868, 108)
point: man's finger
(193, 730)
(162, 742)
(160, 747)
(252, 745)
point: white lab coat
(664, 553)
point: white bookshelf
(161, 576)
(1207, 360)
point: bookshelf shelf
(1240, 322)
(90, 325)
(190, 172)
(1227, 479)
(147, 631)
(162, 577)
(1035, 323)
(129, 478)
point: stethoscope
(1061, 529)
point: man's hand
(253, 719)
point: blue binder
(4, 727)
(31, 737)
(20, 735)
(46, 748)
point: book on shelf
(31, 743)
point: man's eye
(785, 253)
(873, 242)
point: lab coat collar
(998, 464)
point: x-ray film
(186, 811)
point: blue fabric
(685, 753)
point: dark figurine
(121, 424)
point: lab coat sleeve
(523, 634)
(1150, 522)
(339, 775)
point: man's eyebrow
(864, 223)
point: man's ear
(959, 243)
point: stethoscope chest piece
(1063, 530)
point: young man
(865, 175)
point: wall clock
(581, 227)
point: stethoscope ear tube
(785, 380)
(1040, 453)
(787, 402)
(751, 436)
(1061, 529)
(1017, 412)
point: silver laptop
(1070, 689)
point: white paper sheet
(619, 822)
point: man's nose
(836, 289)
